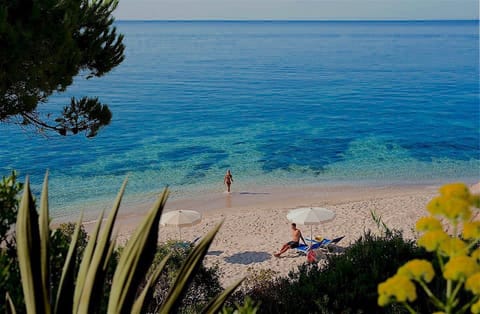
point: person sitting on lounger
(296, 237)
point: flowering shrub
(453, 236)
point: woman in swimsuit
(228, 179)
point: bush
(60, 240)
(9, 191)
(205, 284)
(65, 271)
(347, 284)
(352, 278)
(248, 307)
(9, 271)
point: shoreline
(271, 198)
(212, 197)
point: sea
(280, 103)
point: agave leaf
(186, 273)
(216, 303)
(85, 263)
(11, 307)
(113, 243)
(63, 302)
(148, 289)
(28, 252)
(95, 275)
(136, 259)
(44, 238)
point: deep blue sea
(279, 103)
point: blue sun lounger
(303, 248)
(328, 243)
(324, 244)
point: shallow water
(277, 102)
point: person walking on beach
(296, 237)
(228, 179)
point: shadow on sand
(246, 258)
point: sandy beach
(255, 224)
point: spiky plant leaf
(132, 268)
(85, 263)
(11, 307)
(216, 303)
(113, 243)
(135, 260)
(187, 272)
(95, 275)
(147, 291)
(28, 252)
(63, 301)
(44, 238)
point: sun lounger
(324, 244)
(303, 249)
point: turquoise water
(277, 102)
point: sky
(297, 9)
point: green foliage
(347, 284)
(9, 191)
(352, 277)
(60, 240)
(380, 223)
(248, 307)
(204, 286)
(45, 44)
(9, 271)
(95, 278)
(9, 279)
(258, 279)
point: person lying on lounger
(296, 237)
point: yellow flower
(460, 267)
(436, 205)
(458, 190)
(431, 240)
(476, 255)
(397, 288)
(473, 283)
(453, 247)
(417, 269)
(384, 300)
(451, 208)
(471, 230)
(456, 208)
(428, 224)
(476, 308)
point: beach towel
(311, 256)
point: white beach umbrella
(310, 216)
(180, 219)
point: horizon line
(297, 20)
